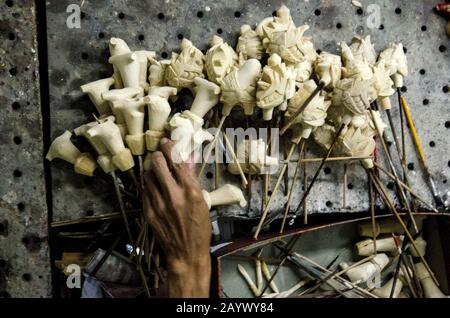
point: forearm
(189, 279)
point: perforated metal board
(78, 56)
(24, 253)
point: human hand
(179, 217)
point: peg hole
(27, 277)
(17, 140)
(4, 228)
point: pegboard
(24, 252)
(80, 55)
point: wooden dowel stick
(407, 188)
(211, 145)
(299, 110)
(379, 186)
(277, 184)
(291, 190)
(344, 187)
(397, 179)
(372, 202)
(233, 155)
(322, 163)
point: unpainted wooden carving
(281, 36)
(220, 59)
(117, 46)
(302, 71)
(430, 289)
(276, 86)
(249, 44)
(314, 114)
(283, 18)
(363, 50)
(128, 66)
(350, 97)
(185, 66)
(354, 67)
(365, 271)
(328, 68)
(253, 158)
(109, 134)
(395, 62)
(225, 195)
(158, 114)
(134, 113)
(115, 97)
(144, 58)
(382, 84)
(64, 149)
(157, 72)
(239, 87)
(104, 159)
(95, 91)
(353, 143)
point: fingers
(173, 159)
(153, 193)
(163, 174)
(157, 214)
(154, 221)
(149, 211)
